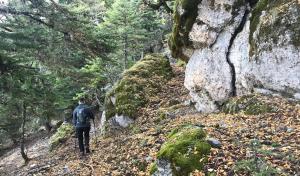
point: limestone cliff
(236, 46)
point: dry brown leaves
(131, 151)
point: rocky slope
(255, 130)
(235, 46)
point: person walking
(81, 120)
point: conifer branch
(161, 3)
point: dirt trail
(41, 160)
(13, 160)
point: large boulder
(235, 46)
(63, 133)
(139, 83)
(185, 151)
(271, 58)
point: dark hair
(82, 99)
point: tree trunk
(125, 51)
(48, 126)
(15, 141)
(24, 155)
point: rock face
(236, 45)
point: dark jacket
(87, 111)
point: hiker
(81, 120)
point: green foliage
(131, 30)
(249, 104)
(254, 20)
(62, 134)
(53, 52)
(153, 168)
(186, 149)
(138, 84)
(255, 165)
(135, 129)
(256, 168)
(181, 63)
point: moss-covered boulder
(249, 104)
(139, 83)
(184, 152)
(63, 133)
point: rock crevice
(234, 53)
(233, 37)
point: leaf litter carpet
(270, 139)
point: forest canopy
(54, 51)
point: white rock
(103, 123)
(263, 91)
(208, 75)
(163, 168)
(274, 66)
(113, 100)
(123, 121)
(297, 96)
(214, 142)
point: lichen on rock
(62, 134)
(185, 151)
(236, 46)
(274, 22)
(139, 83)
(186, 12)
(209, 72)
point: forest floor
(264, 143)
(12, 160)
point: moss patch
(254, 21)
(250, 105)
(153, 168)
(142, 81)
(183, 24)
(62, 134)
(186, 150)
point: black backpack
(82, 116)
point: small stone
(210, 170)
(188, 103)
(148, 159)
(289, 130)
(214, 143)
(223, 125)
(33, 166)
(66, 169)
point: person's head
(81, 101)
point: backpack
(82, 117)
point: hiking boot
(81, 155)
(88, 150)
